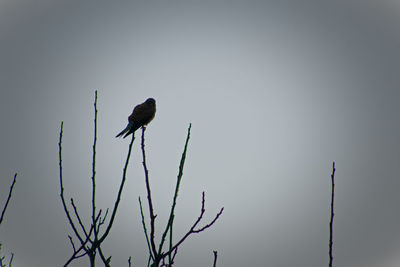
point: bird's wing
(142, 114)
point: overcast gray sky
(276, 91)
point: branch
(171, 259)
(96, 221)
(332, 215)
(145, 229)
(114, 212)
(62, 187)
(94, 165)
(179, 178)
(192, 229)
(173, 256)
(103, 258)
(78, 217)
(76, 251)
(215, 258)
(12, 257)
(72, 243)
(82, 247)
(8, 198)
(101, 220)
(151, 209)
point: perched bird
(141, 115)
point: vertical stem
(94, 168)
(170, 240)
(151, 209)
(92, 258)
(215, 258)
(332, 215)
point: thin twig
(72, 243)
(170, 258)
(145, 229)
(94, 165)
(179, 178)
(215, 258)
(83, 246)
(114, 212)
(62, 187)
(78, 217)
(12, 257)
(148, 261)
(174, 254)
(192, 229)
(151, 209)
(8, 198)
(75, 254)
(332, 215)
(103, 258)
(102, 220)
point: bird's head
(151, 101)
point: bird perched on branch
(141, 115)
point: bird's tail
(126, 130)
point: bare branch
(62, 187)
(83, 245)
(78, 217)
(332, 215)
(192, 229)
(8, 198)
(12, 257)
(215, 258)
(151, 210)
(114, 212)
(145, 229)
(72, 243)
(105, 261)
(92, 241)
(211, 223)
(159, 257)
(179, 178)
(94, 165)
(171, 258)
(101, 220)
(75, 256)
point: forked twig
(192, 229)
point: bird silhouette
(141, 115)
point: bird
(141, 115)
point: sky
(275, 91)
